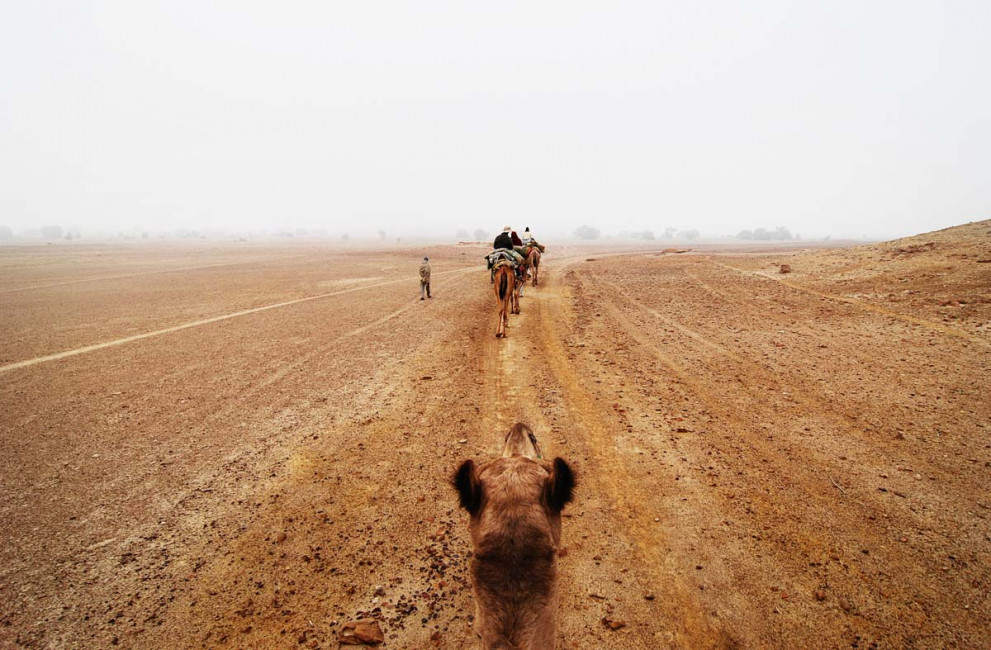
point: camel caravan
(515, 503)
(512, 262)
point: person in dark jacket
(504, 239)
(516, 239)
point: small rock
(611, 624)
(463, 441)
(562, 552)
(785, 268)
(281, 537)
(820, 594)
(365, 631)
(379, 591)
(649, 597)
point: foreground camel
(504, 285)
(515, 504)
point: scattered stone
(562, 552)
(365, 631)
(649, 597)
(611, 624)
(785, 268)
(281, 537)
(379, 591)
(463, 441)
(820, 594)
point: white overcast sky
(859, 118)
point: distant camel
(533, 263)
(504, 285)
(518, 288)
(515, 504)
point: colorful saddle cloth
(512, 257)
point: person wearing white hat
(504, 239)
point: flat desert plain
(248, 445)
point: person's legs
(423, 289)
(428, 291)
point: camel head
(515, 503)
(520, 441)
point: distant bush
(587, 232)
(669, 233)
(51, 232)
(763, 234)
(647, 234)
(745, 234)
(6, 233)
(481, 235)
(462, 234)
(688, 234)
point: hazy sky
(826, 117)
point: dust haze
(147, 120)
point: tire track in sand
(690, 625)
(877, 309)
(207, 321)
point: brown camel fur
(515, 504)
(533, 263)
(504, 287)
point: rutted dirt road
(765, 460)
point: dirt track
(766, 460)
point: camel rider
(527, 237)
(504, 239)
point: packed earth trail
(764, 460)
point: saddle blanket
(503, 254)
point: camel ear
(466, 482)
(560, 485)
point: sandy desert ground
(247, 445)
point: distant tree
(669, 232)
(781, 233)
(51, 232)
(688, 234)
(381, 235)
(647, 234)
(301, 232)
(462, 234)
(6, 232)
(762, 234)
(345, 237)
(481, 235)
(745, 234)
(636, 234)
(587, 232)
(144, 234)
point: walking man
(425, 278)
